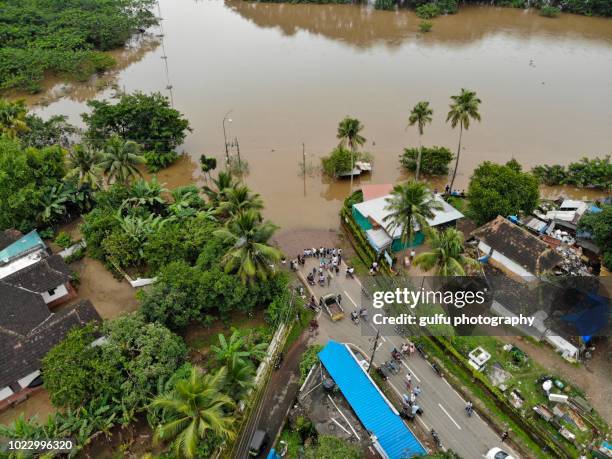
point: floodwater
(289, 73)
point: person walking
(408, 381)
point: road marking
(349, 297)
(449, 416)
(411, 371)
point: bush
(586, 173)
(387, 5)
(550, 11)
(157, 161)
(428, 11)
(434, 160)
(309, 358)
(425, 26)
(339, 161)
(63, 239)
(448, 6)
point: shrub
(156, 161)
(76, 255)
(448, 6)
(594, 173)
(339, 161)
(63, 239)
(434, 160)
(309, 358)
(425, 26)
(384, 5)
(428, 11)
(550, 11)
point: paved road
(443, 407)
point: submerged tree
(464, 107)
(349, 134)
(420, 115)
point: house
(370, 216)
(26, 263)
(49, 277)
(514, 250)
(28, 330)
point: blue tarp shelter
(394, 439)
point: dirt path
(593, 378)
(279, 395)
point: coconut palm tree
(348, 133)
(186, 201)
(221, 184)
(446, 255)
(239, 199)
(84, 163)
(195, 407)
(464, 107)
(120, 160)
(410, 203)
(249, 256)
(13, 118)
(420, 115)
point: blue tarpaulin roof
(396, 440)
(24, 244)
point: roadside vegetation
(67, 38)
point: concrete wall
(60, 292)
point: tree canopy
(64, 38)
(600, 226)
(501, 189)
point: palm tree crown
(249, 256)
(409, 203)
(446, 256)
(222, 184)
(420, 115)
(348, 133)
(239, 199)
(464, 107)
(195, 406)
(84, 163)
(120, 159)
(13, 118)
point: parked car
(333, 308)
(497, 453)
(258, 443)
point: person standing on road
(329, 278)
(408, 380)
(504, 436)
(339, 298)
(416, 391)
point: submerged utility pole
(374, 351)
(304, 165)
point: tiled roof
(42, 276)
(518, 244)
(20, 310)
(22, 354)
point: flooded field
(289, 73)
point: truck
(334, 309)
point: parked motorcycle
(436, 438)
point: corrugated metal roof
(24, 244)
(397, 441)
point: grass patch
(304, 318)
(294, 443)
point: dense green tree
(409, 204)
(54, 131)
(421, 114)
(26, 175)
(120, 159)
(250, 256)
(147, 119)
(340, 161)
(349, 133)
(64, 38)
(463, 109)
(599, 224)
(434, 160)
(196, 407)
(497, 189)
(446, 257)
(13, 118)
(586, 173)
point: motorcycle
(436, 368)
(355, 317)
(469, 409)
(436, 438)
(420, 350)
(279, 361)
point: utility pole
(225, 118)
(374, 351)
(304, 165)
(238, 153)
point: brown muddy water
(289, 73)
